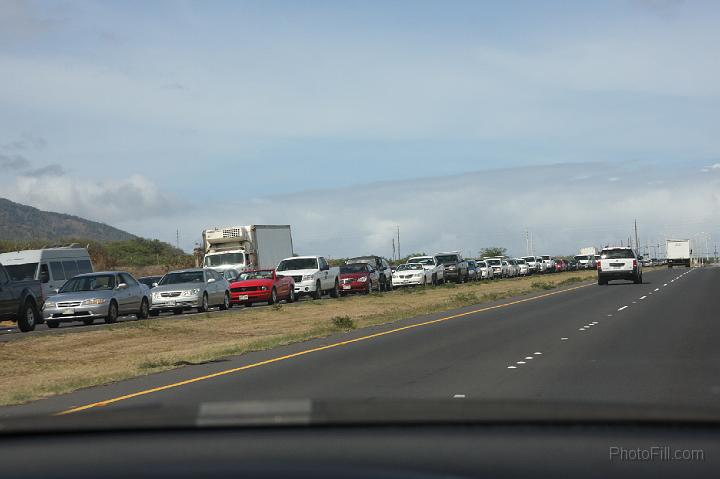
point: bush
(542, 285)
(571, 280)
(465, 298)
(343, 322)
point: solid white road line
(643, 297)
(620, 309)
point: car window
(56, 270)
(3, 277)
(84, 266)
(617, 254)
(71, 268)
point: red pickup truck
(20, 301)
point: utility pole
(532, 246)
(398, 235)
(393, 243)
(177, 238)
(637, 245)
(527, 243)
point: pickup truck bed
(20, 301)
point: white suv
(619, 263)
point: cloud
(473, 211)
(13, 162)
(47, 170)
(110, 201)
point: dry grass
(40, 366)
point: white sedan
(486, 269)
(411, 274)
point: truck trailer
(246, 248)
(678, 252)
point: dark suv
(381, 266)
(456, 268)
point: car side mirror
(56, 291)
(211, 280)
(640, 257)
(122, 286)
(154, 285)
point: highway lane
(649, 343)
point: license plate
(68, 311)
(347, 286)
(170, 303)
(616, 265)
(243, 297)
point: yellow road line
(308, 351)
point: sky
(467, 124)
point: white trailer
(589, 251)
(247, 247)
(678, 252)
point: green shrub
(343, 322)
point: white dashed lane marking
(620, 309)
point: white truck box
(678, 252)
(247, 247)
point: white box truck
(246, 247)
(678, 252)
(588, 251)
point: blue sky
(186, 107)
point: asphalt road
(655, 343)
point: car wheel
(88, 322)
(424, 281)
(28, 318)
(370, 287)
(144, 309)
(291, 295)
(273, 297)
(637, 279)
(434, 280)
(317, 294)
(335, 292)
(52, 324)
(248, 305)
(112, 315)
(177, 311)
(154, 314)
(204, 304)
(226, 302)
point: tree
(493, 251)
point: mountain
(21, 222)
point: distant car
(198, 288)
(149, 281)
(261, 286)
(411, 274)
(230, 274)
(619, 263)
(533, 263)
(523, 268)
(358, 278)
(572, 265)
(486, 271)
(379, 264)
(549, 263)
(512, 268)
(585, 261)
(499, 270)
(431, 264)
(560, 265)
(474, 272)
(456, 268)
(104, 295)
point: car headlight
(307, 277)
(263, 288)
(362, 279)
(156, 296)
(418, 275)
(92, 301)
(190, 292)
(49, 304)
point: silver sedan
(199, 288)
(104, 295)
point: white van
(51, 266)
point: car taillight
(598, 265)
(634, 263)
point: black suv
(456, 268)
(381, 266)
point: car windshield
(22, 272)
(297, 263)
(181, 277)
(353, 268)
(428, 261)
(238, 156)
(404, 267)
(250, 275)
(447, 258)
(102, 282)
(617, 254)
(221, 259)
